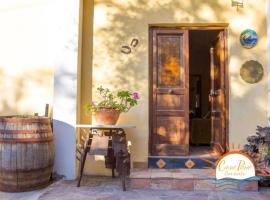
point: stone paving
(187, 180)
(106, 188)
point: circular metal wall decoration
(251, 71)
(248, 38)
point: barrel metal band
(26, 140)
(25, 131)
(26, 120)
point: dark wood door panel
(168, 129)
(169, 88)
(172, 150)
(217, 96)
(216, 128)
(169, 60)
(180, 113)
(170, 102)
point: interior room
(200, 42)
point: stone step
(187, 180)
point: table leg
(122, 161)
(123, 177)
(113, 174)
(82, 162)
(51, 177)
(85, 150)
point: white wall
(64, 34)
(38, 65)
(26, 72)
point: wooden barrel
(26, 153)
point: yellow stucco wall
(116, 22)
(26, 82)
(86, 57)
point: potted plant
(111, 105)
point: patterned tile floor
(105, 188)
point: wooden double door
(169, 91)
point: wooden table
(117, 157)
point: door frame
(200, 27)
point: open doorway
(200, 44)
(188, 106)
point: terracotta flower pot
(107, 116)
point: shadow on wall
(117, 22)
(116, 28)
(65, 61)
(64, 80)
(65, 71)
(25, 93)
(64, 142)
(64, 118)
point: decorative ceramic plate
(251, 71)
(248, 38)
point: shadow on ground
(106, 188)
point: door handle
(214, 93)
(170, 91)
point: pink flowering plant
(122, 100)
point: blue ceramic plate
(249, 38)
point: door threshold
(188, 156)
(179, 162)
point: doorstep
(187, 180)
(177, 162)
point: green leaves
(123, 94)
(123, 100)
